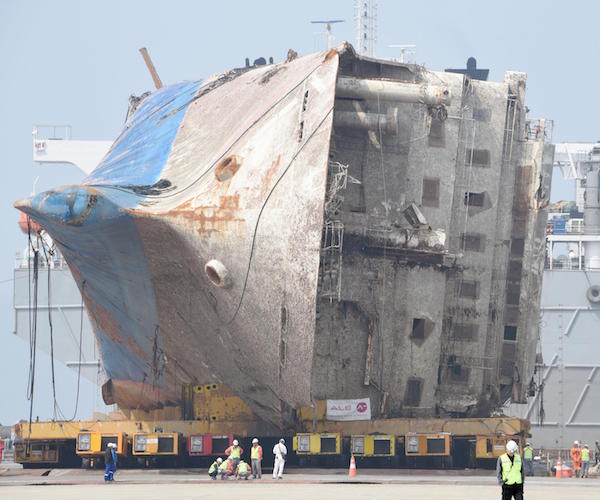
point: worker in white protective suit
(280, 452)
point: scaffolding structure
(366, 27)
(333, 233)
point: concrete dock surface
(297, 484)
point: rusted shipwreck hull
(271, 230)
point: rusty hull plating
(209, 243)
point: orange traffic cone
(352, 470)
(559, 472)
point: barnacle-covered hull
(270, 230)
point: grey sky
(76, 62)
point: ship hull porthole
(217, 273)
(593, 294)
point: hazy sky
(76, 62)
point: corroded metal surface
(237, 233)
(236, 175)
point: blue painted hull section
(109, 266)
(139, 154)
(108, 259)
(139, 231)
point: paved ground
(297, 485)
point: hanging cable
(80, 349)
(32, 321)
(262, 208)
(48, 256)
(59, 411)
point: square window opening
(474, 199)
(414, 388)
(510, 332)
(418, 329)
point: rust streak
(211, 218)
(266, 182)
(330, 55)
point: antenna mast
(407, 53)
(366, 26)
(328, 24)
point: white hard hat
(254, 441)
(112, 445)
(219, 460)
(282, 440)
(512, 446)
(235, 442)
(576, 442)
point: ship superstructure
(333, 226)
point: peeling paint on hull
(237, 234)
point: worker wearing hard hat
(213, 470)
(113, 450)
(585, 460)
(280, 452)
(226, 469)
(108, 463)
(528, 459)
(256, 454)
(576, 457)
(510, 472)
(242, 471)
(234, 452)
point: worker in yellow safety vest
(510, 473)
(213, 470)
(242, 471)
(226, 469)
(585, 460)
(234, 452)
(528, 459)
(256, 455)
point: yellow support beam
(490, 426)
(69, 430)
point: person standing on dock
(110, 462)
(510, 473)
(585, 460)
(576, 457)
(256, 454)
(528, 459)
(234, 452)
(113, 468)
(280, 452)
